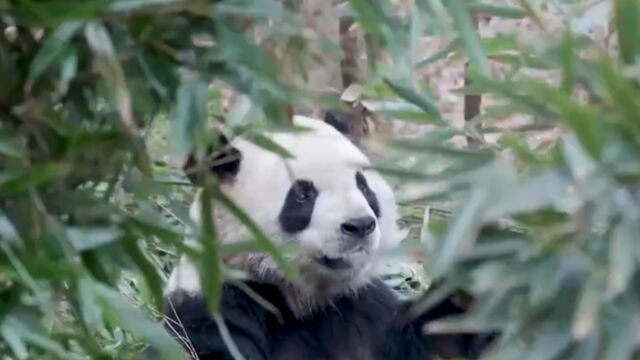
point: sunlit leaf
(85, 238)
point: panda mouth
(335, 263)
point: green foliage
(559, 279)
(93, 213)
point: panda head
(324, 201)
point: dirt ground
(447, 75)
(320, 18)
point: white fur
(327, 158)
(184, 277)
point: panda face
(298, 207)
(323, 201)
(334, 219)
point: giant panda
(338, 214)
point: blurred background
(509, 130)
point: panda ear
(224, 163)
(349, 123)
(339, 119)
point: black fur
(371, 197)
(297, 209)
(340, 120)
(225, 164)
(346, 122)
(364, 326)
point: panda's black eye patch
(297, 209)
(304, 191)
(368, 194)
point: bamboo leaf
(87, 238)
(620, 331)
(22, 328)
(367, 17)
(261, 237)
(189, 130)
(504, 11)
(226, 337)
(147, 268)
(91, 312)
(443, 150)
(420, 99)
(132, 5)
(123, 314)
(270, 145)
(9, 146)
(448, 50)
(35, 176)
(461, 231)
(436, 13)
(107, 62)
(622, 260)
(623, 93)
(210, 262)
(626, 18)
(469, 36)
(51, 49)
(588, 311)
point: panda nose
(359, 227)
